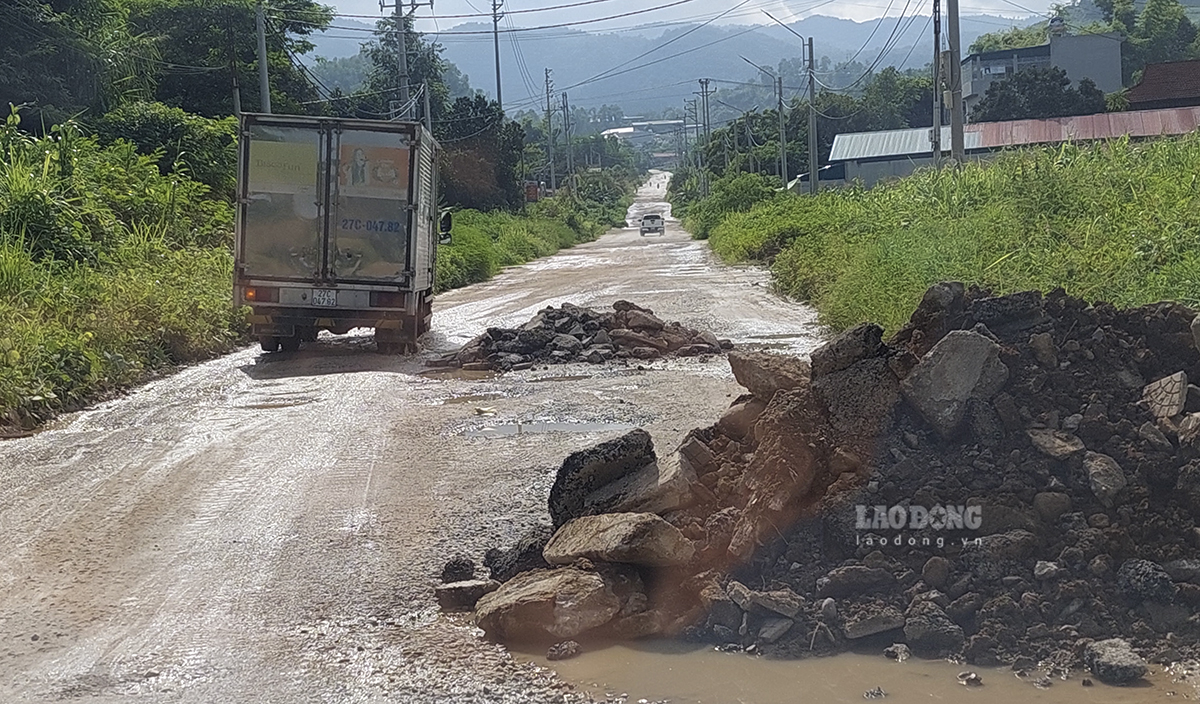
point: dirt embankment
(1008, 479)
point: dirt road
(269, 528)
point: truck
(651, 223)
(337, 228)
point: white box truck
(337, 228)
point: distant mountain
(649, 70)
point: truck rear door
(281, 223)
(372, 193)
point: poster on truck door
(369, 237)
(282, 228)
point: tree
(481, 151)
(1039, 92)
(205, 43)
(1014, 38)
(71, 56)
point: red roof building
(1170, 85)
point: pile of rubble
(1010, 479)
(575, 334)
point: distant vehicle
(652, 223)
(337, 229)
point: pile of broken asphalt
(572, 333)
(1008, 479)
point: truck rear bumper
(283, 322)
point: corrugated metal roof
(908, 142)
(1167, 81)
(995, 135)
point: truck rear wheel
(269, 343)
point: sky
(683, 10)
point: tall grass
(1118, 222)
(108, 270)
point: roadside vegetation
(1116, 222)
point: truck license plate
(324, 297)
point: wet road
(269, 528)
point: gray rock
(740, 594)
(1150, 433)
(1189, 431)
(882, 620)
(561, 603)
(1167, 397)
(524, 556)
(1048, 570)
(1196, 332)
(589, 471)
(1183, 570)
(1044, 349)
(1193, 399)
(961, 366)
(774, 628)
(1143, 580)
(783, 602)
(853, 580)
(763, 374)
(643, 320)
(564, 650)
(697, 456)
(1105, 477)
(829, 610)
(1113, 661)
(929, 631)
(936, 571)
(858, 343)
(1049, 505)
(898, 652)
(1055, 443)
(566, 343)
(458, 569)
(631, 538)
(462, 596)
(601, 338)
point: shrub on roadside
(1118, 222)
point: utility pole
(566, 108)
(814, 185)
(264, 80)
(550, 127)
(935, 134)
(957, 145)
(702, 117)
(401, 20)
(496, 16)
(428, 114)
(783, 172)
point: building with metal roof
(871, 157)
(1174, 84)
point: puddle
(510, 429)
(575, 377)
(683, 673)
(471, 399)
(780, 336)
(267, 405)
(458, 374)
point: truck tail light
(260, 294)
(387, 299)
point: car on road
(652, 223)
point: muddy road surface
(269, 528)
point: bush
(108, 270)
(1116, 222)
(203, 148)
(735, 193)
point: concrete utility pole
(957, 144)
(703, 119)
(783, 170)
(496, 16)
(550, 127)
(264, 80)
(814, 185)
(400, 17)
(566, 108)
(935, 134)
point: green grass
(484, 243)
(1116, 222)
(109, 270)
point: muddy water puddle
(510, 429)
(687, 674)
(473, 398)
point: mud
(688, 674)
(207, 538)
